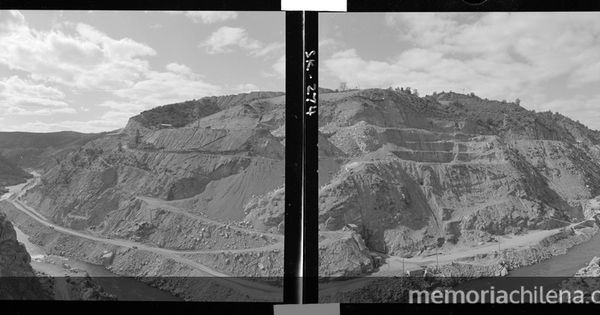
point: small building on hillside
(377, 259)
(415, 271)
(165, 126)
(352, 227)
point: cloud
(90, 126)
(278, 69)
(177, 84)
(268, 49)
(210, 17)
(23, 97)
(207, 17)
(12, 17)
(42, 112)
(496, 55)
(87, 59)
(329, 45)
(177, 68)
(245, 88)
(226, 38)
(583, 110)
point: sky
(549, 61)
(90, 71)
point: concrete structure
(377, 259)
(352, 227)
(415, 271)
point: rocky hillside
(11, 174)
(18, 280)
(413, 171)
(182, 114)
(410, 172)
(585, 281)
(40, 150)
(176, 177)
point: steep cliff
(412, 171)
(174, 182)
(18, 280)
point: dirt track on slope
(237, 283)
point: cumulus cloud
(496, 55)
(226, 38)
(87, 59)
(210, 17)
(177, 84)
(582, 109)
(245, 88)
(278, 69)
(207, 17)
(23, 97)
(267, 49)
(177, 68)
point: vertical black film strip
(294, 115)
(311, 176)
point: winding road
(256, 289)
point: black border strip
(462, 6)
(311, 160)
(174, 5)
(293, 158)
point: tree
(197, 111)
(137, 136)
(343, 86)
(407, 90)
(416, 93)
(518, 101)
(120, 146)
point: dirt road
(395, 265)
(265, 291)
(163, 204)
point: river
(549, 273)
(126, 289)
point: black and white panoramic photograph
(142, 155)
(456, 147)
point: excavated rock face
(17, 279)
(343, 254)
(267, 212)
(410, 171)
(591, 270)
(209, 165)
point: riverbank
(483, 265)
(586, 280)
(158, 271)
(497, 264)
